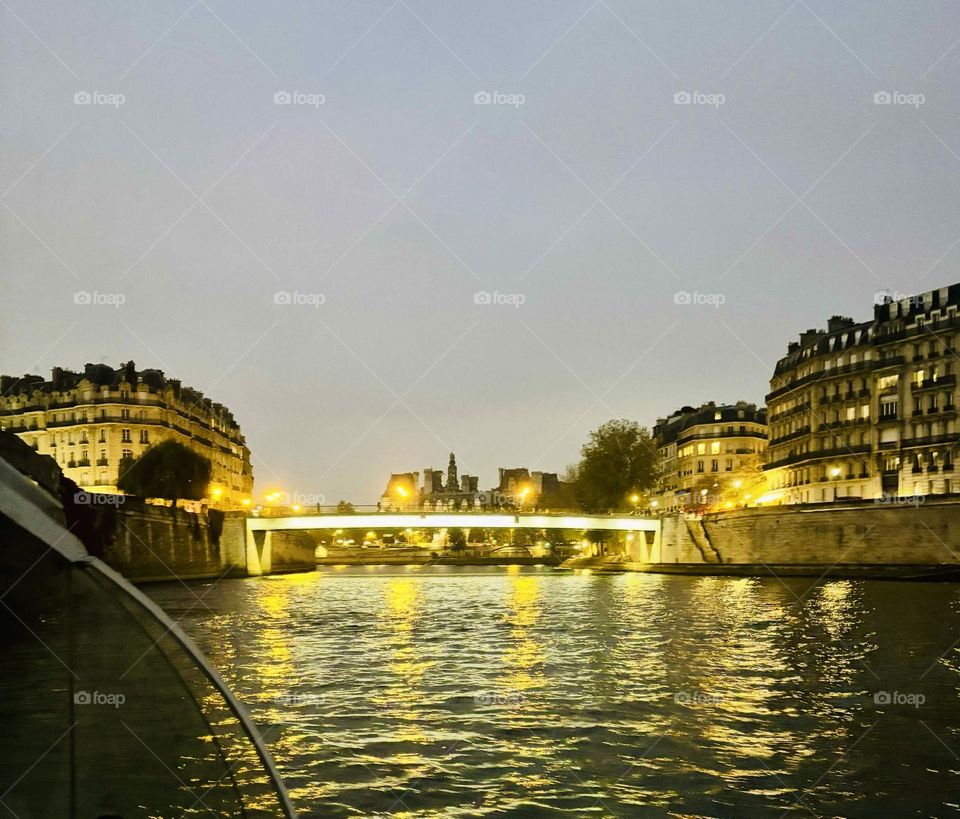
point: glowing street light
(523, 495)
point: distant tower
(452, 483)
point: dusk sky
(338, 153)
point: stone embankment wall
(925, 534)
(149, 543)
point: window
(127, 453)
(729, 464)
(715, 448)
(699, 466)
(701, 449)
(144, 439)
(125, 437)
(125, 414)
(714, 465)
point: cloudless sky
(593, 200)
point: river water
(415, 692)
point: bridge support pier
(259, 553)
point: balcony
(890, 361)
(934, 383)
(790, 436)
(929, 440)
(83, 462)
(102, 462)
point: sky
(382, 231)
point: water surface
(445, 691)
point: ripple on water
(534, 692)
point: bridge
(261, 530)
(446, 520)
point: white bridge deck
(443, 520)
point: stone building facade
(517, 489)
(88, 422)
(868, 409)
(711, 457)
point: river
(415, 691)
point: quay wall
(825, 535)
(147, 543)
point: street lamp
(523, 494)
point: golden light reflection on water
(403, 696)
(524, 656)
(835, 611)
(276, 657)
(737, 670)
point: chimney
(835, 323)
(810, 336)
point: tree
(166, 470)
(457, 539)
(618, 460)
(345, 508)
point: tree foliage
(457, 538)
(167, 470)
(619, 459)
(345, 508)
